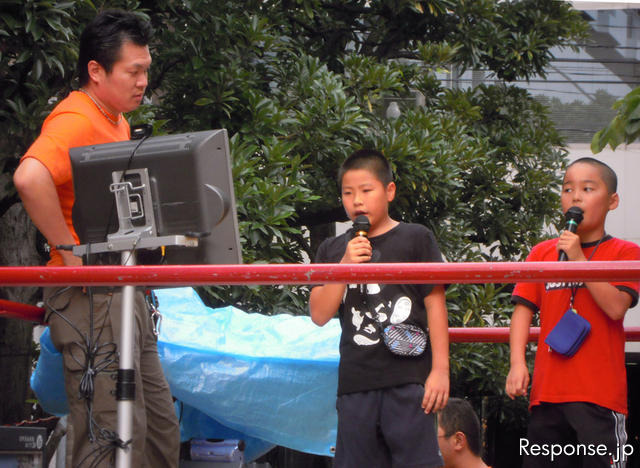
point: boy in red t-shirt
(577, 401)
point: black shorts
(384, 428)
(576, 434)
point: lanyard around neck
(574, 289)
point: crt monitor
(191, 188)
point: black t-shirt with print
(365, 362)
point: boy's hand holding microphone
(359, 248)
(569, 241)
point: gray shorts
(385, 428)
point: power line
(603, 46)
(585, 60)
(495, 80)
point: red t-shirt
(75, 121)
(596, 373)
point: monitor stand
(136, 221)
(126, 383)
(137, 230)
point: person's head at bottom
(460, 435)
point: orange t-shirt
(75, 121)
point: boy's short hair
(103, 37)
(371, 160)
(608, 175)
(458, 416)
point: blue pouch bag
(568, 334)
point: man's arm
(40, 199)
(436, 388)
(518, 377)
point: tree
(299, 84)
(576, 119)
(331, 98)
(38, 51)
(624, 127)
(35, 54)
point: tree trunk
(17, 247)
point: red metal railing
(270, 274)
(10, 309)
(437, 273)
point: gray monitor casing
(191, 187)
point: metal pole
(125, 387)
(432, 273)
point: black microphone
(573, 217)
(361, 226)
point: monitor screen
(191, 188)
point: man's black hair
(459, 416)
(103, 37)
(370, 159)
(608, 175)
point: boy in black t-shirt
(386, 403)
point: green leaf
(204, 101)
(23, 57)
(37, 67)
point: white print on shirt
(401, 310)
(382, 315)
(370, 329)
(364, 336)
(356, 318)
(373, 289)
(563, 285)
(366, 333)
(364, 341)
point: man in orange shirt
(85, 325)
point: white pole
(125, 390)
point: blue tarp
(270, 380)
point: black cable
(124, 173)
(93, 358)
